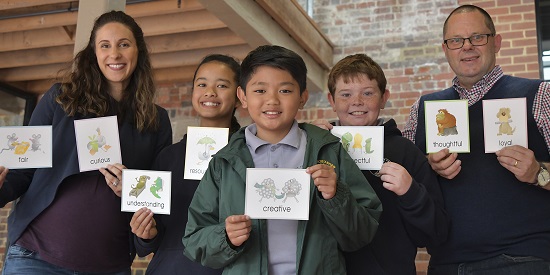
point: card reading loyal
(504, 123)
(26, 147)
(146, 188)
(447, 126)
(276, 193)
(202, 143)
(365, 144)
(97, 142)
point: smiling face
(358, 102)
(272, 98)
(214, 94)
(117, 54)
(470, 63)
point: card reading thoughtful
(146, 188)
(365, 144)
(277, 193)
(26, 147)
(202, 143)
(504, 123)
(447, 126)
(97, 142)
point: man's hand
(520, 161)
(445, 163)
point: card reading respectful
(365, 144)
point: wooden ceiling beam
(47, 71)
(151, 25)
(293, 19)
(19, 4)
(34, 57)
(69, 18)
(157, 44)
(193, 40)
(193, 57)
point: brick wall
(404, 36)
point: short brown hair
(352, 66)
(471, 8)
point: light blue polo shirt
(288, 153)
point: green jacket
(346, 222)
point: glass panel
(12, 109)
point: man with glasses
(499, 204)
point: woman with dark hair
(215, 101)
(67, 221)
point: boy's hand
(237, 228)
(445, 164)
(395, 178)
(143, 224)
(3, 174)
(324, 178)
(322, 123)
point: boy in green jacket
(344, 209)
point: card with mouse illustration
(97, 142)
(26, 147)
(202, 143)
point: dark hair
(471, 8)
(85, 88)
(233, 64)
(277, 57)
(352, 66)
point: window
(543, 28)
(16, 106)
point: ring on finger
(516, 163)
(115, 183)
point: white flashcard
(276, 193)
(447, 126)
(202, 143)
(26, 147)
(504, 123)
(97, 142)
(365, 144)
(146, 188)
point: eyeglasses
(476, 40)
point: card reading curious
(97, 142)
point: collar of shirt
(480, 89)
(379, 122)
(292, 138)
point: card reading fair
(97, 142)
(26, 147)
(202, 143)
(365, 144)
(146, 188)
(504, 123)
(447, 126)
(277, 193)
